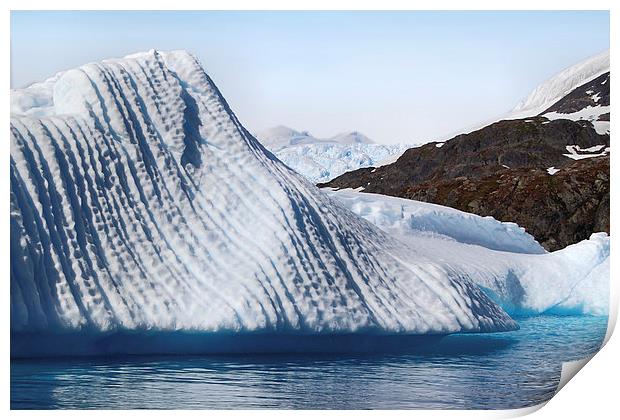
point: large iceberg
(140, 204)
(503, 259)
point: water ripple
(507, 370)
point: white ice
(139, 202)
(501, 258)
(279, 137)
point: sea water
(462, 371)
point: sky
(398, 77)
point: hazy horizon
(403, 77)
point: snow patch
(590, 113)
(575, 152)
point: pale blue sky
(395, 76)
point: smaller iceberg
(501, 258)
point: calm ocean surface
(505, 370)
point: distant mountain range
(545, 167)
(279, 137)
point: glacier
(321, 160)
(141, 206)
(503, 259)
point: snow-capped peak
(281, 136)
(553, 89)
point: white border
(312, 5)
(593, 394)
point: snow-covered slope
(500, 257)
(558, 86)
(320, 160)
(139, 202)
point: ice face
(139, 202)
(504, 260)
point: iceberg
(504, 260)
(141, 208)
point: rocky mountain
(321, 159)
(589, 95)
(548, 172)
(558, 210)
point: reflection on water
(506, 370)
